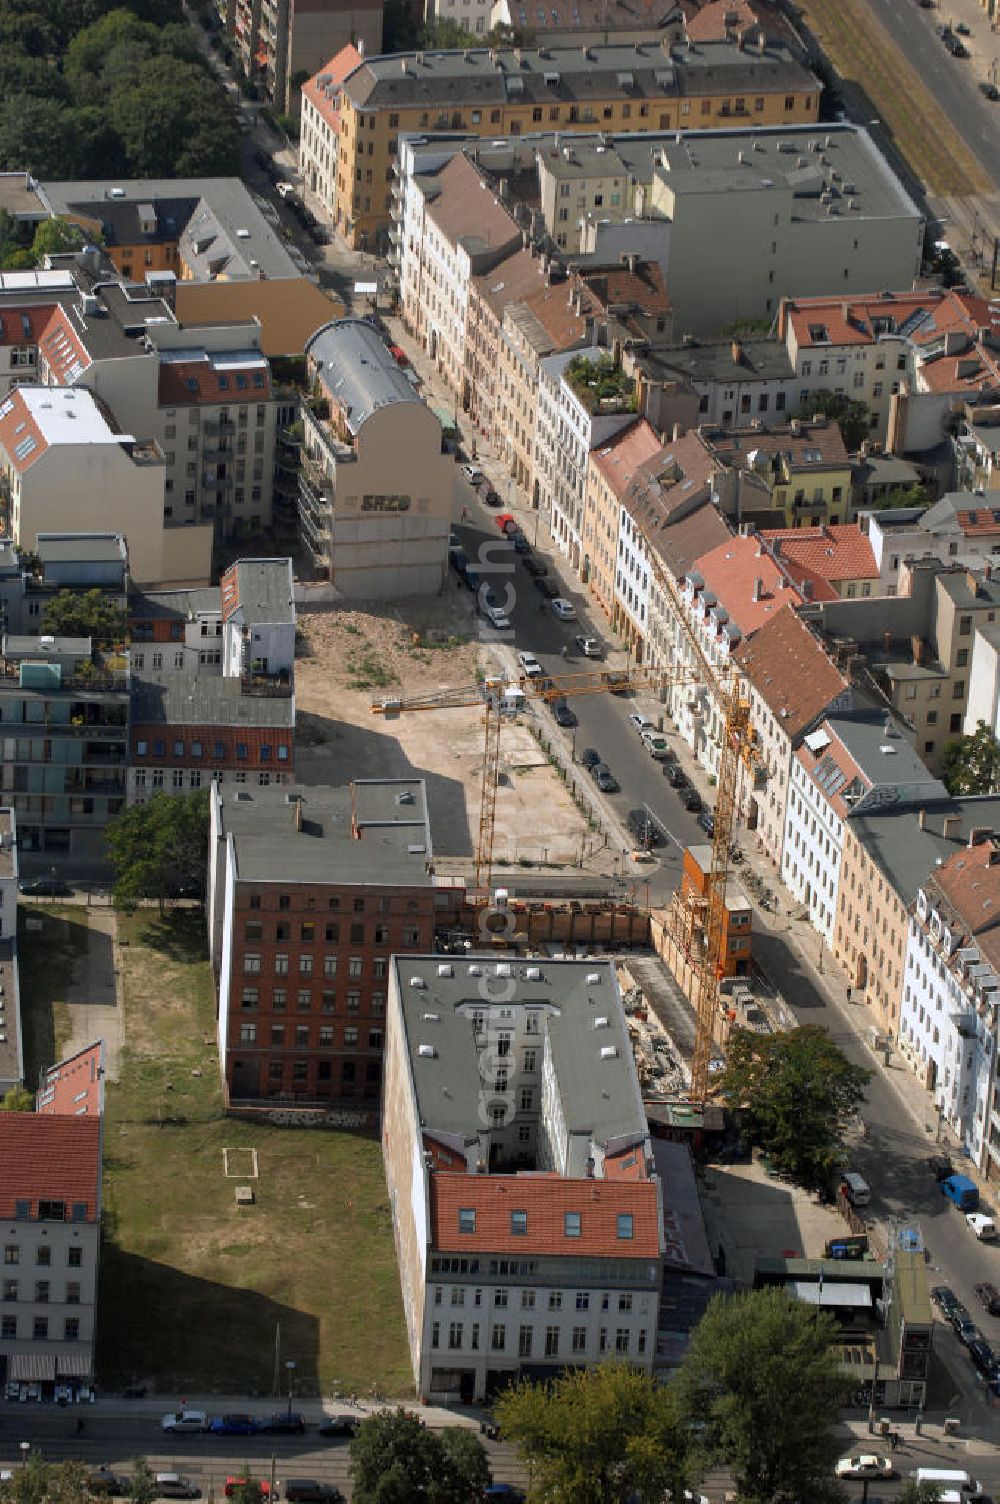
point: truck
(963, 1191)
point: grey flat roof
(195, 697)
(11, 1062)
(801, 161)
(174, 604)
(712, 360)
(29, 645)
(265, 587)
(955, 583)
(506, 75)
(906, 854)
(599, 1095)
(389, 852)
(357, 369)
(864, 736)
(89, 548)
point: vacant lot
(52, 952)
(195, 1291)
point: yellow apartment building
(491, 92)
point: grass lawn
(863, 52)
(195, 1291)
(52, 945)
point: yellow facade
(369, 138)
(869, 934)
(811, 497)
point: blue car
(233, 1425)
(505, 1492)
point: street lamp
(290, 1366)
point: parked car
(865, 1465)
(940, 1166)
(506, 523)
(965, 1328)
(984, 1227)
(103, 1481)
(530, 665)
(606, 780)
(233, 1425)
(989, 1298)
(675, 775)
(588, 646)
(237, 1481)
(474, 474)
(505, 1493)
(285, 190)
(641, 723)
(545, 586)
(656, 745)
(707, 821)
(175, 1486)
(311, 1491)
(536, 568)
(521, 544)
(285, 1423)
(990, 90)
(590, 757)
(184, 1422)
(490, 497)
(45, 887)
(645, 829)
(691, 800)
(945, 1299)
(563, 609)
(562, 713)
(339, 1425)
(984, 1359)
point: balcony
(219, 425)
(267, 686)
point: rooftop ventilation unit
(593, 977)
(609, 1051)
(503, 969)
(601, 1022)
(427, 1051)
(533, 974)
(475, 971)
(445, 969)
(431, 1018)
(417, 982)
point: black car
(965, 1328)
(590, 757)
(310, 1491)
(984, 1358)
(990, 90)
(545, 587)
(339, 1425)
(707, 821)
(645, 829)
(605, 779)
(45, 887)
(691, 800)
(562, 713)
(285, 1423)
(956, 48)
(536, 567)
(103, 1481)
(945, 1299)
(989, 1298)
(674, 774)
(940, 1167)
(521, 544)
(490, 496)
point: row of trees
(758, 1393)
(92, 89)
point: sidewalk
(313, 1412)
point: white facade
(812, 848)
(318, 141)
(471, 15)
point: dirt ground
(351, 658)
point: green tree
(11, 237)
(159, 846)
(142, 1483)
(797, 1093)
(177, 122)
(18, 1099)
(41, 1482)
(762, 1384)
(396, 1460)
(54, 237)
(851, 416)
(599, 1436)
(36, 134)
(249, 1491)
(446, 33)
(912, 496)
(971, 764)
(85, 613)
(913, 1492)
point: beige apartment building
(376, 492)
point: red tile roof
(229, 736)
(545, 1198)
(617, 459)
(984, 522)
(838, 552)
(816, 445)
(716, 19)
(49, 1159)
(512, 280)
(229, 591)
(853, 321)
(16, 425)
(324, 96)
(190, 383)
(74, 1086)
(62, 348)
(791, 672)
(741, 568)
(970, 880)
(24, 326)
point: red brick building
(311, 890)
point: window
(73, 1293)
(624, 1222)
(527, 1300)
(962, 658)
(44, 1255)
(571, 1225)
(436, 1334)
(579, 1339)
(622, 1336)
(251, 964)
(455, 1334)
(498, 1337)
(248, 1033)
(305, 966)
(8, 1326)
(467, 1219)
(40, 1328)
(75, 1259)
(71, 1328)
(524, 1341)
(41, 1291)
(281, 965)
(625, 1302)
(519, 1224)
(279, 998)
(583, 1300)
(304, 999)
(555, 1300)
(12, 1254)
(552, 1342)
(355, 966)
(500, 1297)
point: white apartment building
(851, 763)
(526, 1209)
(951, 993)
(569, 424)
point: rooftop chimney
(758, 588)
(678, 432)
(887, 641)
(917, 644)
(737, 352)
(948, 824)
(922, 819)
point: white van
(858, 1193)
(984, 1227)
(950, 1483)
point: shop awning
(74, 1363)
(32, 1368)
